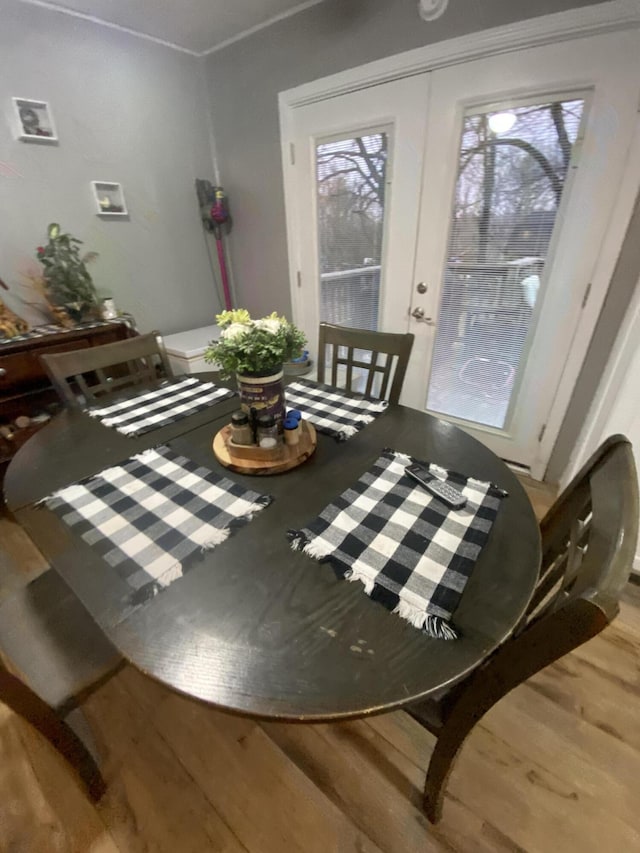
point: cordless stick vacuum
(214, 209)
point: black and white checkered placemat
(173, 400)
(151, 516)
(332, 411)
(412, 552)
(56, 329)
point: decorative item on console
(10, 324)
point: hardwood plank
(616, 654)
(609, 704)
(152, 803)
(343, 762)
(20, 560)
(541, 495)
(19, 549)
(408, 746)
(270, 805)
(42, 808)
(629, 616)
(118, 719)
(596, 764)
(531, 803)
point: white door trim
(620, 360)
(548, 29)
(600, 280)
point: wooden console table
(24, 385)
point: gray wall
(246, 77)
(126, 110)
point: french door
(469, 206)
(358, 161)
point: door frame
(548, 29)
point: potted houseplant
(67, 282)
(255, 350)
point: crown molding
(546, 29)
(93, 19)
(274, 20)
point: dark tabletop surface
(255, 627)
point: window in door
(513, 166)
(351, 175)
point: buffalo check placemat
(411, 551)
(332, 411)
(152, 516)
(150, 410)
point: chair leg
(460, 718)
(28, 705)
(542, 643)
(444, 754)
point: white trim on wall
(602, 18)
(256, 29)
(622, 356)
(600, 280)
(587, 20)
(560, 26)
(93, 19)
(624, 353)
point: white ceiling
(193, 25)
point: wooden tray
(284, 458)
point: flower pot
(264, 393)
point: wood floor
(554, 767)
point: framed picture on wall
(109, 199)
(34, 121)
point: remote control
(446, 493)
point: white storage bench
(185, 350)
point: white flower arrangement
(249, 346)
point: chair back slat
(369, 391)
(84, 389)
(102, 381)
(100, 371)
(349, 363)
(589, 535)
(386, 355)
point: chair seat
(51, 642)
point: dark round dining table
(255, 627)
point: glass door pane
(351, 176)
(512, 169)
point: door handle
(418, 314)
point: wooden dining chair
(52, 657)
(588, 544)
(130, 362)
(387, 356)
